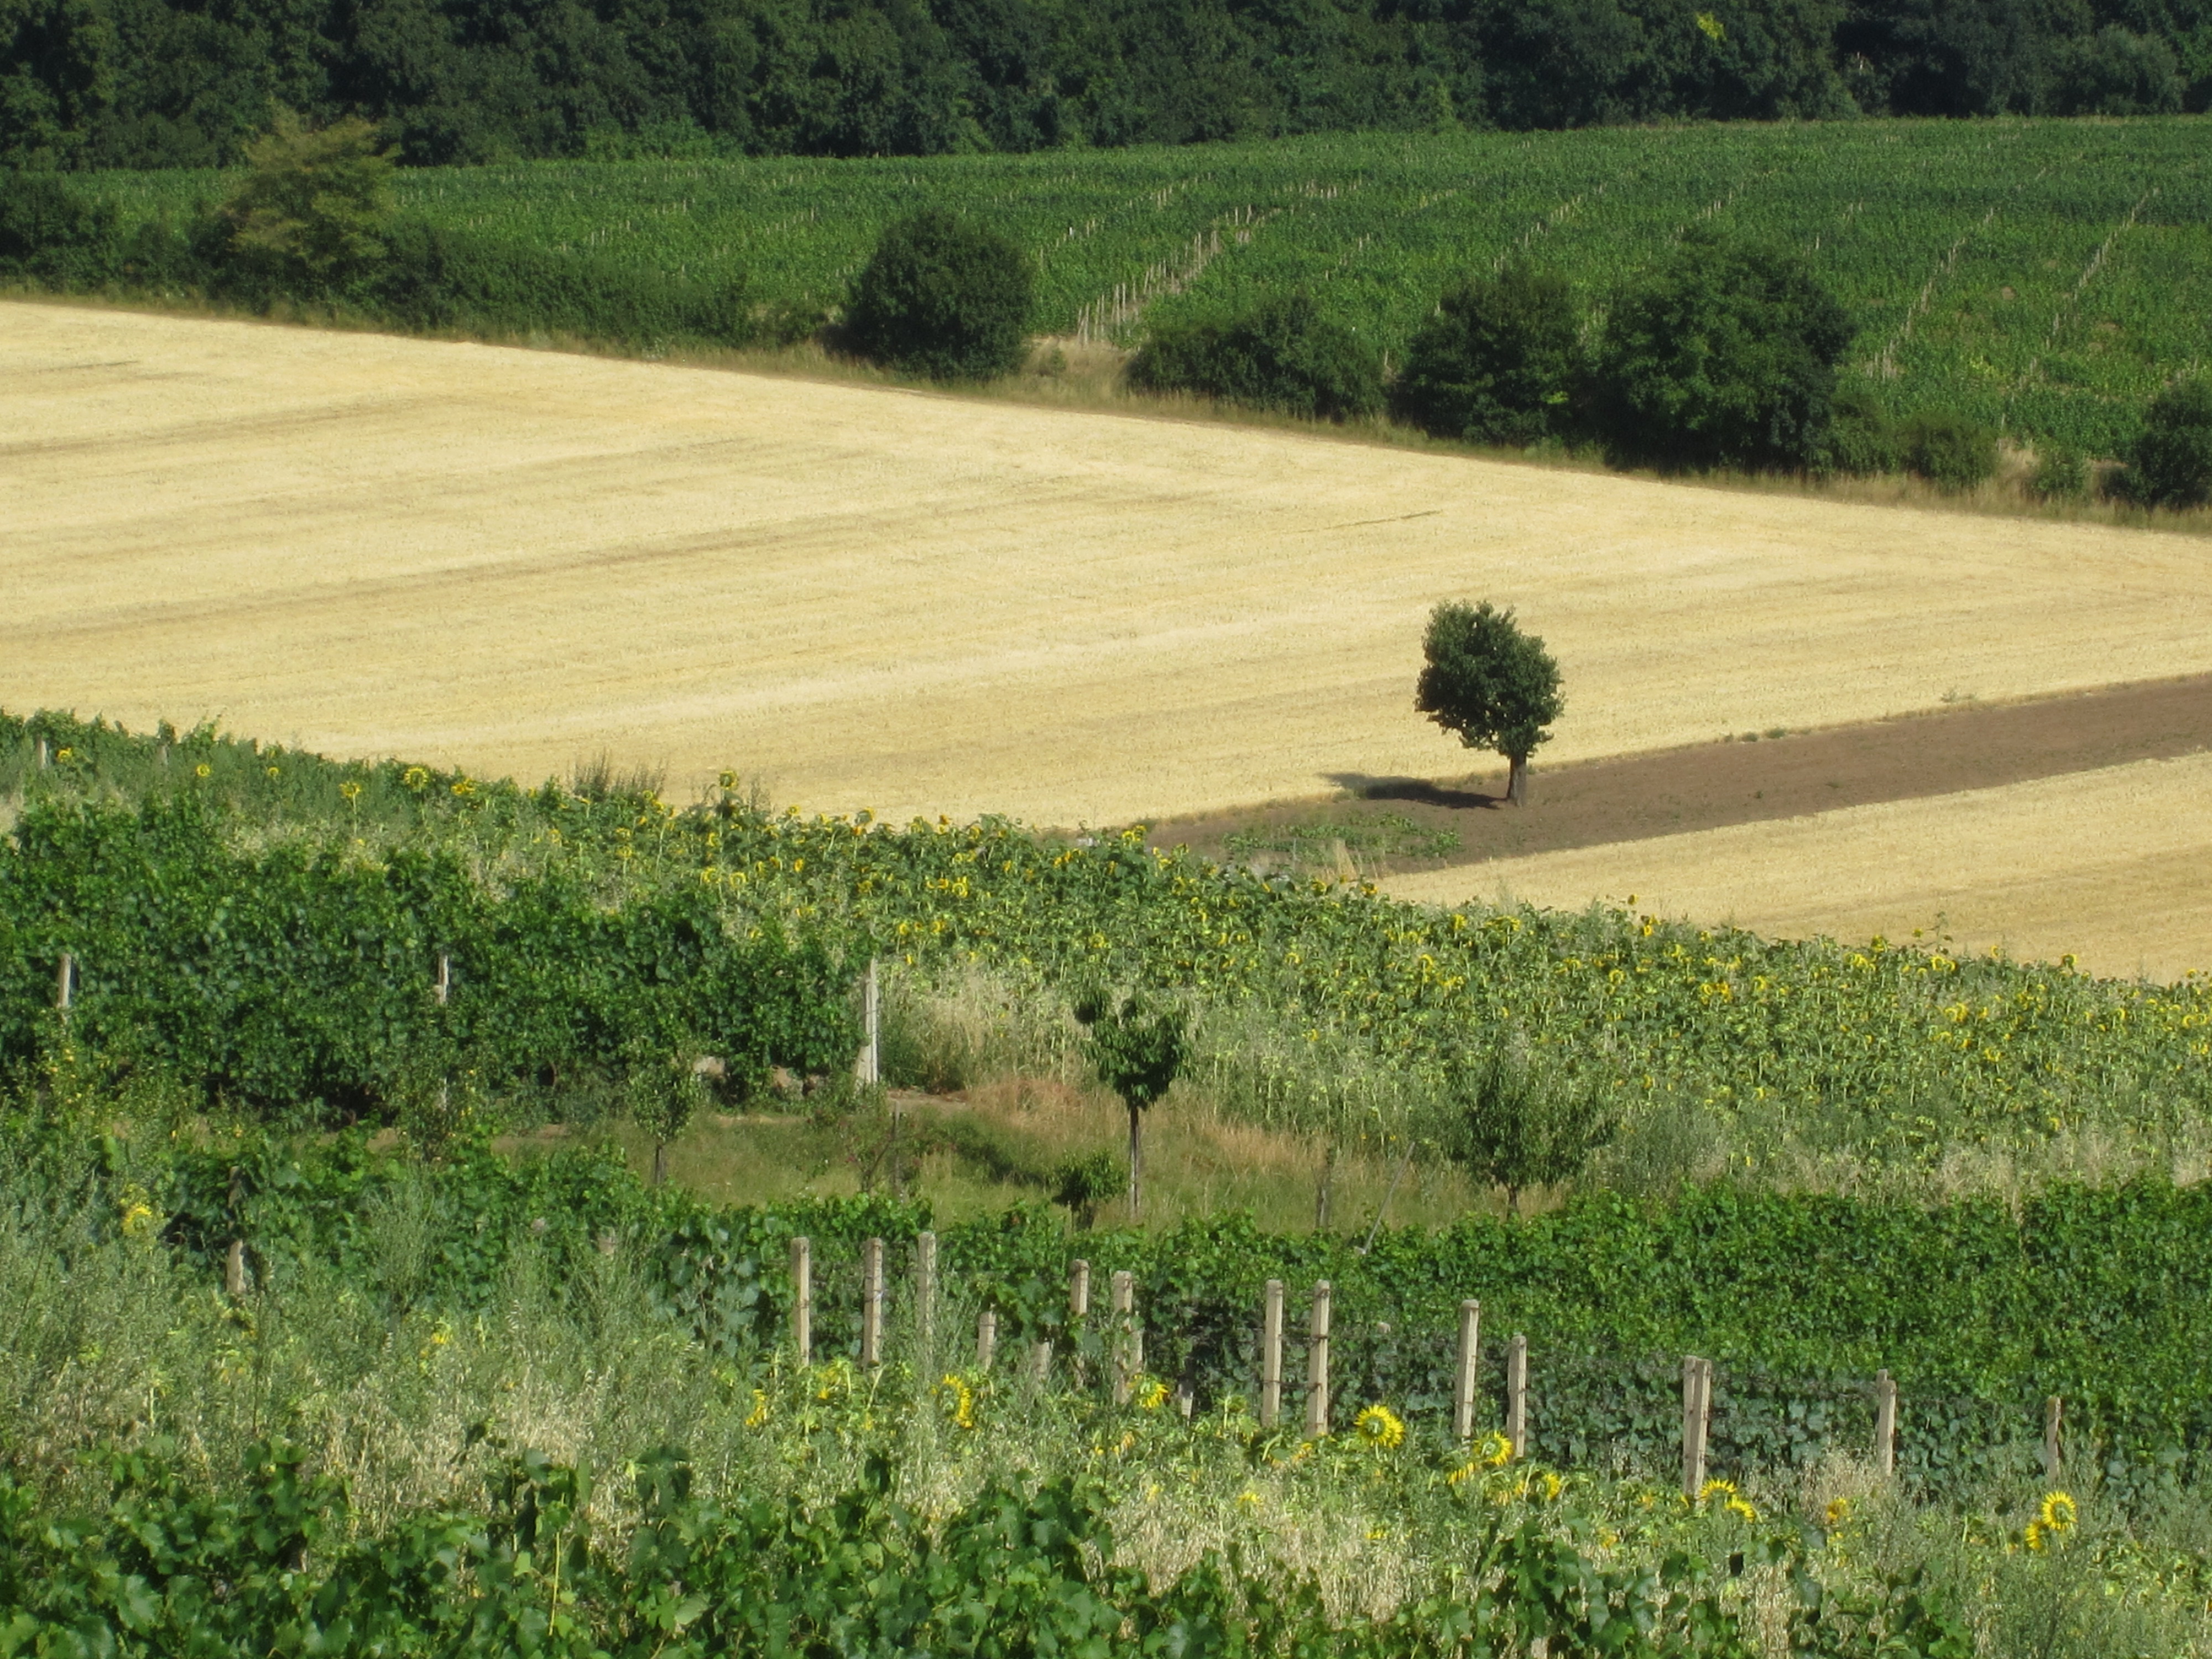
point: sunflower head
(2057, 1513)
(1380, 1428)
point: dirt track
(1710, 786)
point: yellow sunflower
(1380, 1428)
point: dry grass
(874, 597)
(1197, 1162)
(2108, 865)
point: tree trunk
(1517, 780)
(661, 1164)
(1136, 1161)
(1321, 1191)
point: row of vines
(2044, 277)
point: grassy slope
(2046, 274)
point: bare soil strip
(2112, 867)
(1962, 746)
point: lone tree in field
(1495, 686)
(1138, 1053)
(944, 296)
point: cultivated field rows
(2106, 866)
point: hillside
(2046, 277)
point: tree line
(162, 83)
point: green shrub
(308, 219)
(943, 297)
(1283, 355)
(50, 235)
(1084, 1183)
(1862, 440)
(1498, 362)
(2170, 462)
(436, 278)
(2060, 475)
(1950, 451)
(1723, 355)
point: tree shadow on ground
(1424, 791)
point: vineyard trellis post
(871, 1305)
(869, 1066)
(1516, 1394)
(987, 1340)
(1470, 1331)
(65, 984)
(1271, 1355)
(1317, 1364)
(1041, 1364)
(802, 1299)
(1079, 1288)
(2054, 1423)
(924, 1294)
(1129, 1342)
(1696, 1422)
(233, 1266)
(1885, 1424)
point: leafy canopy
(1138, 1050)
(2171, 465)
(1495, 686)
(1282, 355)
(1723, 356)
(1518, 1127)
(1498, 362)
(943, 297)
(312, 211)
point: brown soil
(1745, 780)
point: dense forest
(160, 83)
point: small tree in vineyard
(1514, 1125)
(1138, 1052)
(1495, 686)
(664, 1093)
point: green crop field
(2048, 276)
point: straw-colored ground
(508, 560)
(2113, 866)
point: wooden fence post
(444, 989)
(871, 1305)
(1041, 1364)
(869, 1066)
(2054, 1423)
(233, 1269)
(1697, 1420)
(1517, 1394)
(1885, 1424)
(1317, 1365)
(987, 1340)
(1078, 1289)
(66, 982)
(925, 1293)
(802, 1299)
(1271, 1355)
(1128, 1344)
(1470, 1332)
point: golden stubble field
(507, 560)
(2112, 866)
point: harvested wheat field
(2112, 866)
(507, 559)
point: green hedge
(295, 979)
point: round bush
(1283, 355)
(1723, 356)
(1498, 362)
(943, 296)
(1860, 439)
(1949, 451)
(2171, 465)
